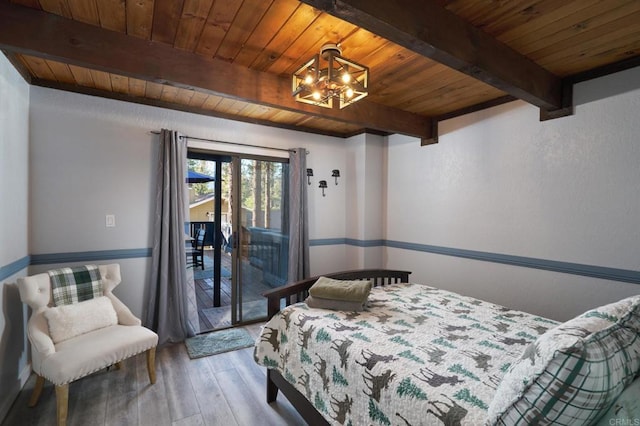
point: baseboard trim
(24, 375)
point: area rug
(218, 342)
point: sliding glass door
(261, 223)
(238, 205)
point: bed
(421, 355)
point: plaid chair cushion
(73, 285)
(573, 373)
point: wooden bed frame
(298, 291)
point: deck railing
(268, 251)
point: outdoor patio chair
(195, 253)
(78, 327)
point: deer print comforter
(417, 356)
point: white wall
(92, 156)
(365, 182)
(14, 181)
(501, 181)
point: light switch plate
(110, 220)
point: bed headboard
(298, 291)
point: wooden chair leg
(151, 364)
(62, 402)
(37, 391)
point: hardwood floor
(226, 389)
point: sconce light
(335, 174)
(309, 174)
(323, 185)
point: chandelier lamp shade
(328, 79)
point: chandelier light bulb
(349, 92)
(308, 79)
(346, 78)
(316, 95)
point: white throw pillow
(68, 321)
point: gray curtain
(167, 304)
(298, 217)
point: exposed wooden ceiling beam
(49, 36)
(177, 107)
(477, 107)
(425, 27)
(19, 66)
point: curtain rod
(232, 143)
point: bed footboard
(298, 291)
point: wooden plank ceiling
(429, 59)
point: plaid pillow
(574, 372)
(73, 285)
(626, 410)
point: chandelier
(329, 76)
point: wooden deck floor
(226, 389)
(254, 304)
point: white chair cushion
(93, 351)
(68, 321)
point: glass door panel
(261, 260)
(209, 267)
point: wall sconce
(335, 174)
(309, 174)
(323, 185)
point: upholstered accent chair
(71, 341)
